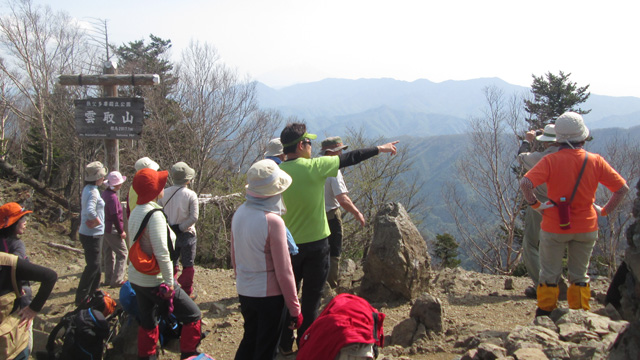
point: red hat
(10, 213)
(148, 184)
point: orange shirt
(560, 171)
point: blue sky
(281, 42)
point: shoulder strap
(584, 164)
(64, 323)
(172, 195)
(144, 223)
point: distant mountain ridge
(388, 107)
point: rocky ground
(472, 302)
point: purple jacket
(112, 212)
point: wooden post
(112, 146)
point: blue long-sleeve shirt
(92, 208)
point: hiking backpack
(82, 333)
(347, 319)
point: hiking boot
(531, 292)
(540, 312)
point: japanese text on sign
(109, 118)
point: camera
(539, 132)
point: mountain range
(430, 120)
(388, 107)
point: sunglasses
(306, 141)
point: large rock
(428, 310)
(398, 265)
(627, 344)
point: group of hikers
(286, 238)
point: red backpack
(347, 319)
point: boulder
(398, 266)
(428, 310)
(404, 332)
(627, 345)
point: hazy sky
(281, 42)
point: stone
(508, 284)
(420, 333)
(545, 322)
(487, 336)
(470, 355)
(125, 343)
(428, 310)
(523, 336)
(627, 345)
(398, 265)
(530, 354)
(217, 308)
(599, 325)
(587, 351)
(402, 333)
(576, 333)
(618, 326)
(488, 351)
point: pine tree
(446, 250)
(553, 95)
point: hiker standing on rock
(335, 196)
(91, 229)
(181, 207)
(151, 270)
(532, 218)
(306, 216)
(570, 217)
(260, 256)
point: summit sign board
(109, 118)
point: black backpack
(84, 336)
(82, 333)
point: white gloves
(598, 209)
(539, 207)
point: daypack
(141, 261)
(347, 319)
(82, 333)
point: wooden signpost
(110, 117)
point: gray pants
(531, 243)
(114, 255)
(579, 248)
